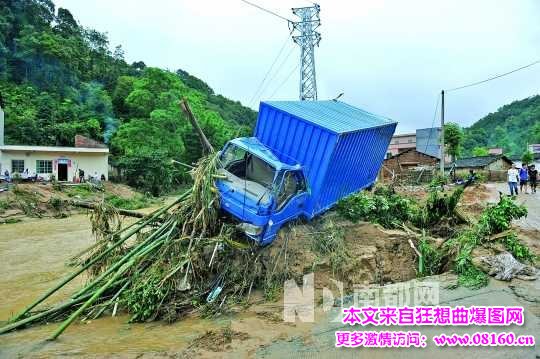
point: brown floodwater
(33, 257)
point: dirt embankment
(372, 255)
(43, 200)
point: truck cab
(303, 158)
(258, 190)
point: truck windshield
(247, 166)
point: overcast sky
(389, 57)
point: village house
(47, 162)
(409, 163)
(493, 166)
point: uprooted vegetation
(162, 267)
(184, 258)
(39, 200)
(21, 200)
(438, 217)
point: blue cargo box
(341, 147)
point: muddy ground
(21, 201)
(33, 256)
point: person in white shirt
(513, 179)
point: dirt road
(518, 293)
(530, 200)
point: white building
(61, 162)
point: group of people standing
(526, 176)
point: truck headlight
(250, 229)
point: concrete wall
(499, 165)
(92, 163)
(427, 141)
(400, 143)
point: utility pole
(442, 133)
(307, 38)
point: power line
(278, 70)
(432, 124)
(494, 77)
(284, 81)
(259, 88)
(266, 10)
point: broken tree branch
(207, 146)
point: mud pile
(373, 255)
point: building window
(17, 166)
(43, 166)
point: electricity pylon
(307, 38)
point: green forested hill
(58, 79)
(510, 127)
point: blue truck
(304, 157)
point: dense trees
(58, 79)
(511, 127)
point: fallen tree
(93, 206)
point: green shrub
(520, 251)
(494, 219)
(430, 261)
(498, 218)
(4, 205)
(438, 181)
(136, 202)
(384, 207)
(473, 278)
(438, 205)
(83, 191)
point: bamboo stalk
(48, 312)
(183, 164)
(69, 278)
(92, 299)
(139, 248)
(120, 231)
(43, 314)
(111, 300)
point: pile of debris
(446, 239)
(163, 266)
(184, 258)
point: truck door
(290, 199)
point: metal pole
(442, 133)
